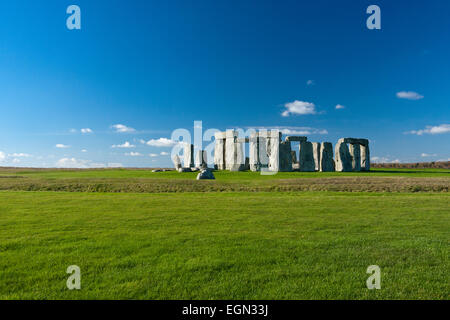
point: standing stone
(355, 154)
(306, 157)
(316, 154)
(188, 155)
(343, 159)
(234, 152)
(253, 148)
(326, 157)
(219, 151)
(230, 150)
(240, 155)
(200, 159)
(365, 157)
(293, 156)
(273, 150)
(263, 155)
(176, 162)
(285, 156)
(247, 164)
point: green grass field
(241, 243)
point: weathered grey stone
(156, 170)
(240, 156)
(363, 142)
(316, 155)
(263, 156)
(205, 174)
(273, 149)
(306, 157)
(326, 157)
(185, 170)
(188, 155)
(343, 159)
(253, 148)
(296, 138)
(285, 156)
(293, 156)
(230, 150)
(176, 162)
(200, 159)
(219, 150)
(355, 154)
(234, 152)
(365, 157)
(247, 164)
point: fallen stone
(205, 174)
(185, 170)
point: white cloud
(115, 165)
(122, 128)
(428, 155)
(339, 106)
(164, 153)
(133, 154)
(62, 146)
(153, 155)
(86, 130)
(310, 83)
(84, 150)
(19, 155)
(299, 107)
(2, 156)
(123, 145)
(443, 128)
(77, 163)
(161, 142)
(302, 131)
(384, 160)
(410, 95)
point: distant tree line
(415, 165)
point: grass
(222, 175)
(239, 245)
(143, 180)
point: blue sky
(155, 66)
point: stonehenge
(348, 155)
(268, 152)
